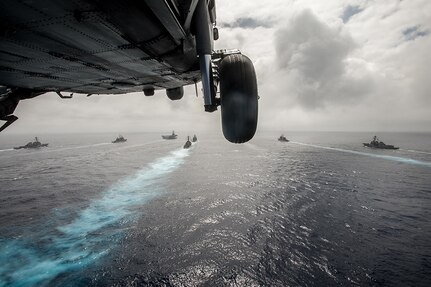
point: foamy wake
(87, 237)
(416, 151)
(381, 156)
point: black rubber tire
(238, 95)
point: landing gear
(8, 121)
(8, 104)
(236, 75)
(238, 95)
(9, 99)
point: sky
(334, 65)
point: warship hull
(30, 147)
(379, 146)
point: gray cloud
(414, 32)
(350, 11)
(247, 23)
(313, 58)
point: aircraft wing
(107, 47)
(97, 47)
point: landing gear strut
(9, 99)
(8, 105)
(9, 120)
(236, 76)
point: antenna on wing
(196, 88)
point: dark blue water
(318, 211)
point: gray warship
(119, 139)
(282, 138)
(188, 143)
(376, 143)
(170, 137)
(35, 144)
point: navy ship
(170, 137)
(188, 143)
(282, 138)
(35, 144)
(120, 139)
(195, 139)
(376, 143)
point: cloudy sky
(341, 65)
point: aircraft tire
(238, 95)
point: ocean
(321, 210)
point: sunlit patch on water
(35, 261)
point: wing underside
(95, 47)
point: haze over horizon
(336, 66)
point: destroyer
(188, 143)
(35, 144)
(282, 138)
(376, 143)
(173, 136)
(120, 139)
